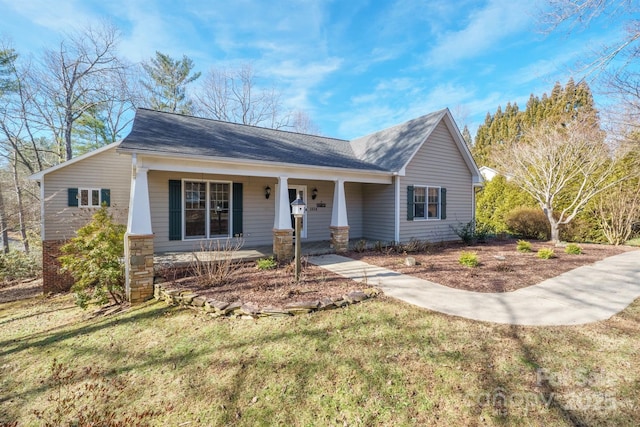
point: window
(426, 203)
(206, 209)
(89, 197)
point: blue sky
(355, 66)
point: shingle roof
(388, 150)
(392, 148)
(192, 136)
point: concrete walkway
(583, 295)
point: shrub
(524, 246)
(528, 223)
(94, 259)
(473, 232)
(546, 253)
(266, 263)
(469, 259)
(415, 245)
(215, 264)
(17, 265)
(573, 249)
(360, 246)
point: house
(489, 173)
(181, 181)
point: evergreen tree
(564, 104)
(167, 82)
(466, 135)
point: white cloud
(485, 30)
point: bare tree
(562, 166)
(576, 15)
(302, 123)
(618, 212)
(72, 81)
(233, 96)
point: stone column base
(339, 238)
(53, 280)
(283, 244)
(138, 258)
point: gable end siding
(439, 163)
(105, 170)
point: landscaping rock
(274, 311)
(326, 304)
(410, 261)
(372, 292)
(187, 297)
(198, 301)
(355, 296)
(232, 308)
(249, 309)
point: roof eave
(245, 162)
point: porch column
(282, 231)
(138, 240)
(339, 224)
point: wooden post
(298, 246)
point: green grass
(633, 242)
(377, 363)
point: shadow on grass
(45, 338)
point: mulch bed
(501, 269)
(275, 287)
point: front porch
(246, 254)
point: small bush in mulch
(546, 253)
(523, 246)
(573, 249)
(469, 259)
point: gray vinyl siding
(355, 207)
(438, 163)
(258, 212)
(103, 170)
(378, 212)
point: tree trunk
(555, 228)
(23, 226)
(3, 226)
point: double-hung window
(426, 202)
(206, 209)
(88, 197)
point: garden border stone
(247, 310)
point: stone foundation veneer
(53, 280)
(340, 238)
(283, 244)
(138, 260)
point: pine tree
(167, 82)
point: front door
(293, 193)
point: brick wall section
(53, 280)
(139, 267)
(340, 238)
(283, 245)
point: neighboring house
(489, 173)
(182, 182)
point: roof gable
(393, 148)
(39, 175)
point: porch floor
(184, 259)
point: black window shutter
(72, 197)
(105, 196)
(410, 203)
(443, 203)
(237, 208)
(175, 209)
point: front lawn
(381, 362)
